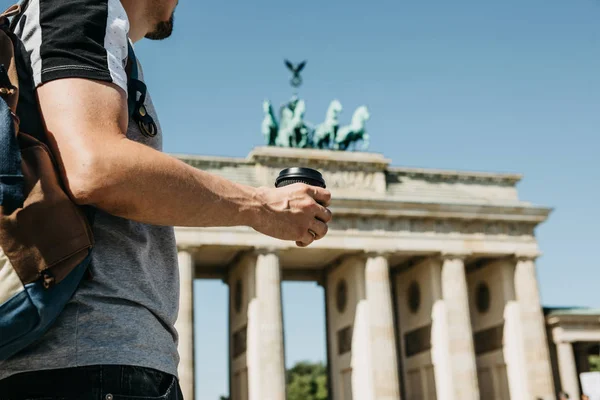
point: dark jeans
(102, 382)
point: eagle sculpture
(296, 79)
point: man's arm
(86, 122)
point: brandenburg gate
(429, 276)
(429, 279)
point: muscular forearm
(136, 182)
(86, 123)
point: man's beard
(162, 30)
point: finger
(319, 228)
(305, 242)
(321, 196)
(307, 238)
(322, 213)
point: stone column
(454, 352)
(271, 351)
(349, 345)
(185, 324)
(381, 327)
(533, 326)
(513, 349)
(567, 369)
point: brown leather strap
(11, 11)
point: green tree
(594, 363)
(307, 381)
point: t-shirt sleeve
(76, 39)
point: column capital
(261, 251)
(185, 260)
(378, 253)
(529, 256)
(558, 336)
(186, 248)
(454, 255)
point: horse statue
(354, 132)
(294, 132)
(269, 124)
(325, 132)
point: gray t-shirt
(126, 313)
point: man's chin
(162, 30)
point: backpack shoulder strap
(137, 109)
(132, 78)
(20, 9)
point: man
(116, 338)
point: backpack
(46, 239)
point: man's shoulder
(83, 39)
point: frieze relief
(431, 176)
(341, 180)
(433, 226)
(351, 180)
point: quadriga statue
(325, 132)
(354, 132)
(269, 124)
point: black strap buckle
(138, 110)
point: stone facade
(429, 278)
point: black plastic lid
(310, 175)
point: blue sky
(505, 86)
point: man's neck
(136, 13)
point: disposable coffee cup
(293, 175)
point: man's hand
(296, 212)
